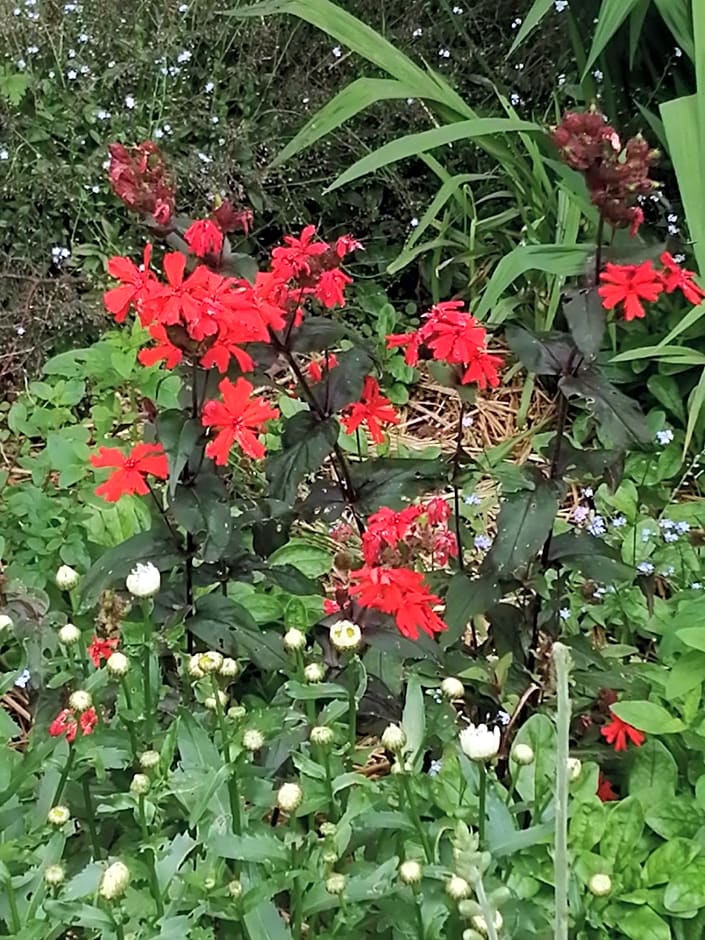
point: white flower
(345, 635)
(410, 872)
(480, 924)
(522, 754)
(444, 53)
(514, 99)
(458, 10)
(600, 884)
(314, 672)
(58, 816)
(561, 5)
(140, 784)
(664, 437)
(294, 640)
(457, 888)
(452, 688)
(229, 668)
(337, 51)
(335, 883)
(211, 703)
(55, 875)
(117, 664)
(414, 222)
(237, 712)
(102, 115)
(144, 580)
(252, 739)
(149, 760)
(4, 154)
(130, 102)
(115, 880)
(289, 797)
(417, 32)
(598, 74)
(215, 119)
(71, 74)
(235, 888)
(393, 738)
(574, 768)
(69, 634)
(480, 743)
(211, 661)
(184, 56)
(22, 681)
(5, 622)
(209, 87)
(80, 701)
(322, 735)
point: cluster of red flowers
(131, 471)
(396, 538)
(100, 649)
(615, 175)
(138, 176)
(373, 409)
(66, 723)
(630, 284)
(452, 335)
(402, 594)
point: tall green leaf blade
(676, 15)
(531, 21)
(695, 406)
(524, 521)
(681, 119)
(612, 14)
(412, 145)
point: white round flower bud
(322, 735)
(80, 701)
(209, 884)
(522, 754)
(457, 888)
(480, 924)
(211, 661)
(345, 635)
(58, 816)
(5, 622)
(66, 578)
(117, 664)
(335, 883)
(452, 688)
(144, 580)
(252, 739)
(480, 743)
(211, 702)
(314, 672)
(69, 634)
(237, 712)
(600, 885)
(393, 738)
(574, 768)
(235, 888)
(194, 670)
(149, 760)
(289, 797)
(471, 934)
(114, 881)
(329, 856)
(328, 829)
(411, 872)
(55, 875)
(229, 668)
(140, 784)
(294, 640)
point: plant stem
(233, 789)
(456, 490)
(598, 248)
(562, 662)
(482, 814)
(15, 922)
(190, 550)
(163, 513)
(296, 911)
(90, 815)
(487, 910)
(128, 724)
(153, 880)
(147, 679)
(421, 930)
(325, 760)
(352, 722)
(415, 818)
(64, 775)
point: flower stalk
(562, 662)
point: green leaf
(317, 334)
(541, 353)
(8, 728)
(203, 510)
(694, 637)
(676, 15)
(394, 481)
(667, 860)
(265, 921)
(178, 436)
(681, 119)
(310, 559)
(653, 774)
(625, 824)
(306, 442)
(532, 19)
(665, 389)
(413, 719)
(196, 750)
(412, 145)
(642, 922)
(688, 672)
(612, 14)
(172, 856)
(591, 556)
(586, 320)
(524, 522)
(677, 817)
(686, 890)
(217, 621)
(467, 597)
(265, 846)
(156, 545)
(620, 418)
(535, 782)
(587, 824)
(648, 717)
(343, 384)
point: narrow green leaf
(612, 14)
(532, 19)
(676, 15)
(695, 405)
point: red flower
(483, 370)
(136, 282)
(316, 367)
(140, 178)
(294, 257)
(629, 284)
(401, 593)
(676, 277)
(66, 723)
(387, 527)
(373, 409)
(229, 219)
(129, 477)
(164, 349)
(617, 732)
(237, 418)
(346, 244)
(330, 289)
(101, 649)
(330, 606)
(604, 789)
(204, 238)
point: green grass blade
(677, 355)
(412, 145)
(676, 15)
(695, 406)
(681, 119)
(531, 21)
(612, 14)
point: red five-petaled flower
(677, 278)
(67, 723)
(131, 471)
(373, 409)
(629, 284)
(401, 593)
(238, 417)
(101, 649)
(617, 732)
(204, 238)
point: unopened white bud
(58, 816)
(80, 701)
(411, 872)
(144, 580)
(294, 640)
(55, 875)
(314, 672)
(335, 883)
(237, 712)
(345, 635)
(149, 760)
(600, 885)
(235, 888)
(114, 882)
(452, 688)
(66, 578)
(322, 735)
(212, 703)
(480, 924)
(229, 668)
(457, 888)
(252, 739)
(211, 661)
(574, 768)
(117, 664)
(209, 883)
(522, 754)
(393, 738)
(69, 634)
(289, 797)
(194, 669)
(5, 622)
(140, 784)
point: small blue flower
(597, 527)
(483, 542)
(670, 536)
(435, 768)
(22, 681)
(645, 567)
(564, 613)
(664, 437)
(472, 500)
(696, 586)
(619, 521)
(682, 527)
(666, 523)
